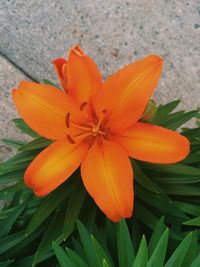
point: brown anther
(104, 111)
(70, 140)
(67, 120)
(82, 106)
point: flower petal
(125, 94)
(83, 76)
(108, 177)
(154, 143)
(53, 166)
(44, 108)
(60, 65)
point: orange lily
(96, 125)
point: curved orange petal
(154, 143)
(60, 66)
(125, 94)
(83, 76)
(108, 177)
(53, 166)
(44, 108)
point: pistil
(89, 130)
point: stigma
(95, 129)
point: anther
(67, 120)
(82, 106)
(71, 141)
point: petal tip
(58, 60)
(14, 91)
(186, 147)
(77, 51)
(156, 59)
(38, 193)
(24, 83)
(27, 179)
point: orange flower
(95, 125)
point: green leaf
(7, 168)
(179, 254)
(11, 176)
(62, 256)
(167, 118)
(76, 259)
(11, 189)
(176, 119)
(25, 244)
(192, 252)
(6, 224)
(176, 122)
(37, 143)
(196, 262)
(45, 81)
(176, 179)
(22, 157)
(144, 180)
(50, 203)
(171, 168)
(157, 233)
(74, 206)
(100, 253)
(166, 206)
(182, 190)
(20, 123)
(191, 133)
(78, 248)
(194, 222)
(13, 143)
(88, 246)
(191, 158)
(10, 241)
(6, 263)
(145, 216)
(188, 208)
(164, 110)
(158, 256)
(125, 246)
(105, 264)
(142, 255)
(53, 231)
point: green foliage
(151, 254)
(29, 225)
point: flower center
(95, 129)
(87, 131)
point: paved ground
(113, 32)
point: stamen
(100, 121)
(71, 141)
(67, 120)
(82, 106)
(101, 132)
(88, 133)
(78, 126)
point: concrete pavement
(113, 32)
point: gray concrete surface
(113, 32)
(9, 77)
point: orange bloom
(95, 125)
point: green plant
(127, 252)
(28, 224)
